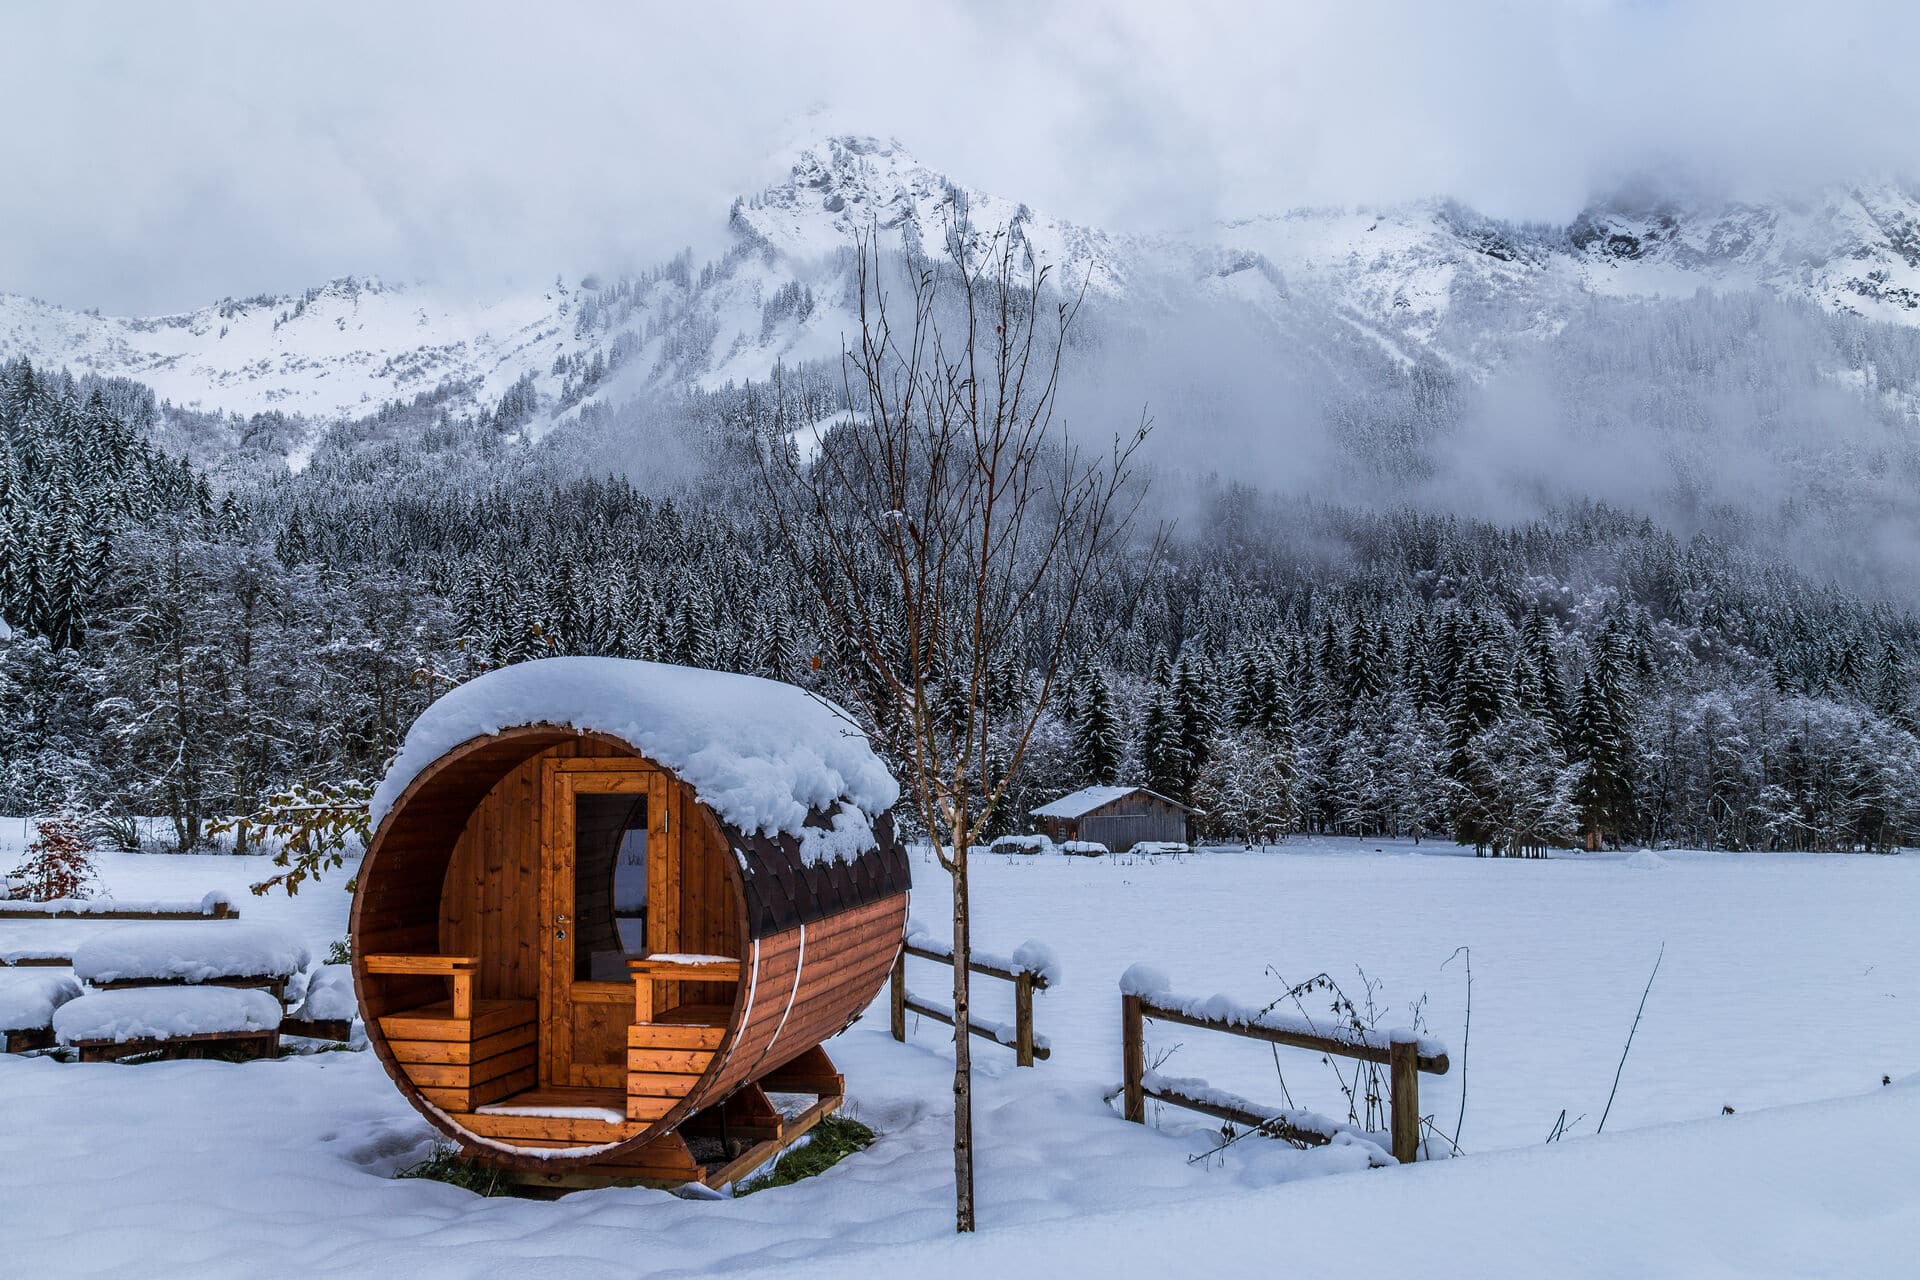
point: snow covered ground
(1785, 993)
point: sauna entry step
(557, 1117)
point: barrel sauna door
(605, 845)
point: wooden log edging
(1027, 1047)
(220, 910)
(1401, 1057)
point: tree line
(185, 643)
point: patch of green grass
(828, 1143)
(447, 1165)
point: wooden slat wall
(1131, 819)
(709, 910)
(848, 957)
(490, 907)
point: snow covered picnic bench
(27, 1005)
(159, 988)
(36, 958)
(176, 1022)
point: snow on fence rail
(1031, 968)
(215, 906)
(1144, 995)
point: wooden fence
(44, 911)
(1402, 1058)
(1025, 1045)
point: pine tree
(1419, 680)
(1163, 754)
(1476, 704)
(1550, 693)
(1193, 714)
(1889, 685)
(1601, 745)
(1096, 734)
(1366, 670)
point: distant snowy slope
(335, 351)
(1425, 281)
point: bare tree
(949, 528)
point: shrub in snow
(59, 862)
(1084, 848)
(330, 994)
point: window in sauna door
(609, 884)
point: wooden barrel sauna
(591, 924)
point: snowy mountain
(1426, 280)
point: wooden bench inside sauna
(612, 905)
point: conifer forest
(186, 638)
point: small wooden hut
(609, 905)
(1118, 817)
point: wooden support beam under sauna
(605, 897)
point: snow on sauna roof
(1078, 804)
(761, 754)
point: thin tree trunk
(962, 1043)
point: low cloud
(161, 156)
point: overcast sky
(157, 157)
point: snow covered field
(1787, 980)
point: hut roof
(1078, 804)
(761, 754)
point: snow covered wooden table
(176, 1022)
(147, 955)
(179, 991)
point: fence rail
(10, 910)
(1401, 1057)
(1026, 1046)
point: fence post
(1023, 1019)
(1403, 1065)
(1133, 1059)
(899, 1001)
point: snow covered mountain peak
(1849, 248)
(1428, 280)
(843, 185)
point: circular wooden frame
(819, 939)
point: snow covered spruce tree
(947, 533)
